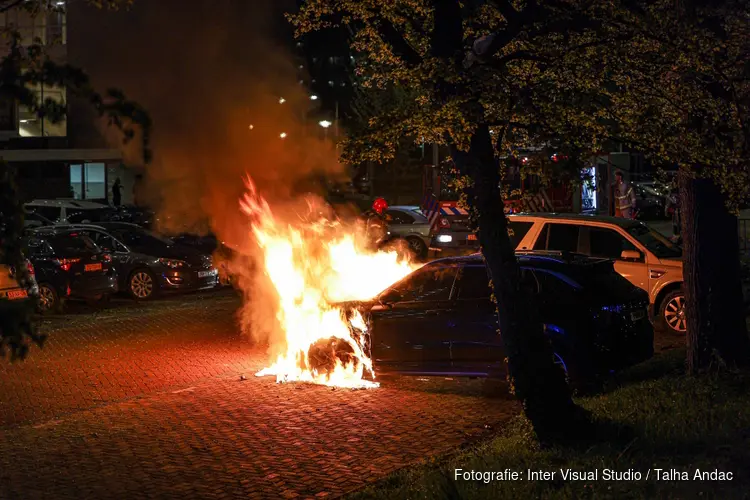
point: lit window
(30, 125)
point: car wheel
(417, 247)
(673, 312)
(142, 284)
(49, 301)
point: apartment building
(50, 159)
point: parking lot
(147, 400)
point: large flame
(313, 265)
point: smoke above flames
(211, 76)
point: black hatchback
(149, 263)
(69, 265)
(440, 319)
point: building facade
(50, 160)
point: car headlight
(445, 238)
(173, 263)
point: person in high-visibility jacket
(624, 198)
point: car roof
(119, 225)
(70, 203)
(47, 231)
(618, 221)
(405, 208)
(536, 258)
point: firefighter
(377, 220)
(624, 198)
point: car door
(122, 258)
(476, 346)
(558, 236)
(412, 333)
(609, 243)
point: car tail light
(66, 263)
(443, 223)
(30, 268)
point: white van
(61, 211)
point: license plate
(93, 267)
(472, 237)
(17, 294)
(203, 274)
(635, 316)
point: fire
(313, 265)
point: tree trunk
(538, 382)
(714, 307)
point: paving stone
(151, 406)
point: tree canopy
(668, 79)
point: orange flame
(314, 265)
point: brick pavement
(148, 403)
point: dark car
(132, 214)
(440, 320)
(210, 244)
(69, 265)
(148, 263)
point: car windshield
(655, 242)
(141, 237)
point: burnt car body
(440, 319)
(148, 264)
(69, 265)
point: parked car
(69, 211)
(133, 214)
(34, 220)
(440, 319)
(647, 258)
(209, 244)
(69, 265)
(453, 234)
(13, 293)
(407, 223)
(148, 263)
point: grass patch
(678, 422)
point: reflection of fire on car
(641, 254)
(440, 319)
(69, 265)
(209, 244)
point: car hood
(179, 252)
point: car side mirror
(630, 255)
(390, 297)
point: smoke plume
(211, 74)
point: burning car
(440, 320)
(346, 311)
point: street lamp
(313, 97)
(282, 100)
(282, 135)
(325, 124)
